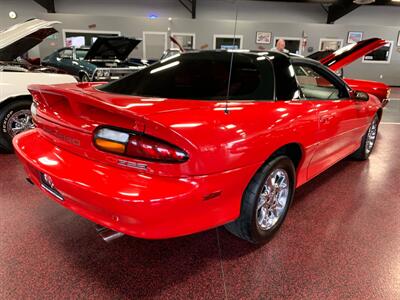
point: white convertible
(16, 74)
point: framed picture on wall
(263, 37)
(354, 37)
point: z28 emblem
(133, 165)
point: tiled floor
(341, 240)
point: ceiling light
(12, 14)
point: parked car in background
(105, 60)
(195, 141)
(337, 60)
(17, 73)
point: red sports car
(195, 141)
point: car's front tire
(266, 201)
(15, 117)
(367, 141)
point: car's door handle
(325, 119)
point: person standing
(280, 46)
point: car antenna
(231, 64)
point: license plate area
(47, 183)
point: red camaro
(195, 141)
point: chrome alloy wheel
(19, 121)
(273, 199)
(371, 136)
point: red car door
(338, 123)
(337, 114)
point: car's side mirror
(360, 96)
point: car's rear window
(203, 76)
(81, 53)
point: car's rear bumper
(137, 204)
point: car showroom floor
(340, 241)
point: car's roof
(270, 55)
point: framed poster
(263, 37)
(354, 37)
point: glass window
(66, 53)
(81, 53)
(82, 39)
(203, 75)
(227, 42)
(286, 84)
(314, 85)
(381, 55)
(185, 40)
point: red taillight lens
(151, 149)
(137, 146)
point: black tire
(247, 226)
(363, 152)
(5, 114)
(84, 77)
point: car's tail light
(137, 146)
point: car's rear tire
(15, 117)
(265, 201)
(367, 141)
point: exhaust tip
(106, 234)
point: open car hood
(20, 38)
(114, 47)
(348, 54)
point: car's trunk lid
(350, 53)
(69, 114)
(20, 38)
(109, 48)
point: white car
(16, 74)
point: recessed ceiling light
(12, 14)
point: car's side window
(315, 85)
(66, 53)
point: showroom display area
(289, 20)
(205, 32)
(172, 162)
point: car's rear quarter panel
(247, 135)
